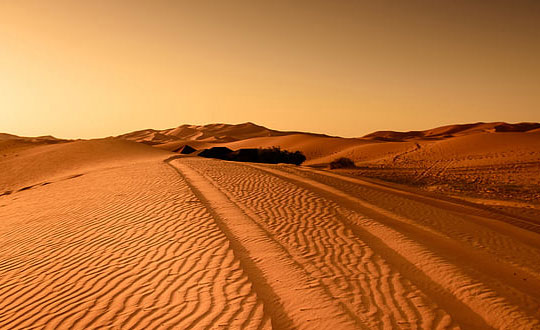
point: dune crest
(213, 133)
(452, 131)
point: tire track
(466, 275)
(290, 295)
(308, 226)
(465, 225)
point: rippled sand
(121, 235)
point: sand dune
(37, 164)
(490, 165)
(211, 133)
(5, 136)
(44, 138)
(319, 149)
(453, 130)
(486, 160)
(10, 144)
(188, 242)
(125, 246)
(117, 234)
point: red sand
(117, 234)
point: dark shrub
(275, 155)
(342, 163)
(186, 149)
(272, 155)
(245, 155)
(216, 152)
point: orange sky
(105, 67)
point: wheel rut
(421, 256)
(292, 297)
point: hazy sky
(103, 67)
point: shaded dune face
(208, 133)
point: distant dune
(11, 142)
(449, 131)
(495, 160)
(489, 160)
(320, 149)
(486, 158)
(5, 137)
(211, 133)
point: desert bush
(216, 152)
(342, 162)
(275, 155)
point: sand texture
(111, 234)
(122, 233)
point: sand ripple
(190, 243)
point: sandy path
(361, 282)
(292, 295)
(205, 244)
(468, 269)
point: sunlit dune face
(86, 69)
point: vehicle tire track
(433, 259)
(292, 298)
(308, 226)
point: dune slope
(149, 239)
(39, 164)
(126, 247)
(118, 234)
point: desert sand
(482, 161)
(437, 229)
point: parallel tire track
(193, 243)
(291, 296)
(310, 227)
(501, 303)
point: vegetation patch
(342, 162)
(273, 155)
